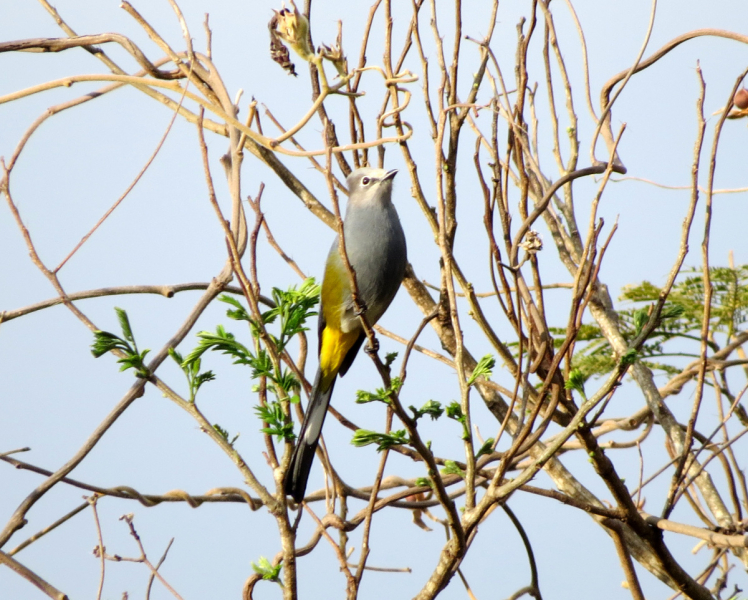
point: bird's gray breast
(376, 248)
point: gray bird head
(369, 185)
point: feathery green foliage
(384, 441)
(381, 394)
(482, 369)
(195, 379)
(679, 321)
(288, 317)
(107, 342)
(432, 408)
(267, 571)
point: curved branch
(168, 291)
(547, 197)
(221, 494)
(535, 587)
(87, 41)
(606, 130)
(252, 136)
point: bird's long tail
(294, 482)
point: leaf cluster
(195, 379)
(290, 311)
(679, 320)
(432, 408)
(381, 394)
(225, 434)
(267, 571)
(107, 342)
(482, 369)
(277, 422)
(384, 441)
(452, 468)
(454, 411)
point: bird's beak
(390, 175)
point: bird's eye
(365, 181)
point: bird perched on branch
(375, 245)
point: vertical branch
(372, 503)
(625, 558)
(710, 494)
(535, 580)
(603, 123)
(100, 548)
(315, 71)
(444, 241)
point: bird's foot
(372, 348)
(362, 308)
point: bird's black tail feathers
(294, 482)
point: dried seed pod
(278, 52)
(741, 99)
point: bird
(376, 249)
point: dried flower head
(335, 53)
(532, 243)
(293, 28)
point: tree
(511, 167)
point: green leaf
(381, 394)
(225, 434)
(107, 342)
(451, 468)
(220, 341)
(124, 323)
(202, 378)
(176, 356)
(680, 321)
(629, 357)
(221, 431)
(389, 358)
(384, 441)
(576, 382)
(239, 313)
(137, 362)
(262, 365)
(672, 311)
(423, 482)
(432, 408)
(454, 411)
(191, 370)
(287, 382)
(277, 423)
(641, 317)
(486, 448)
(293, 307)
(482, 369)
(268, 572)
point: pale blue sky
(54, 393)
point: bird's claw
(372, 347)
